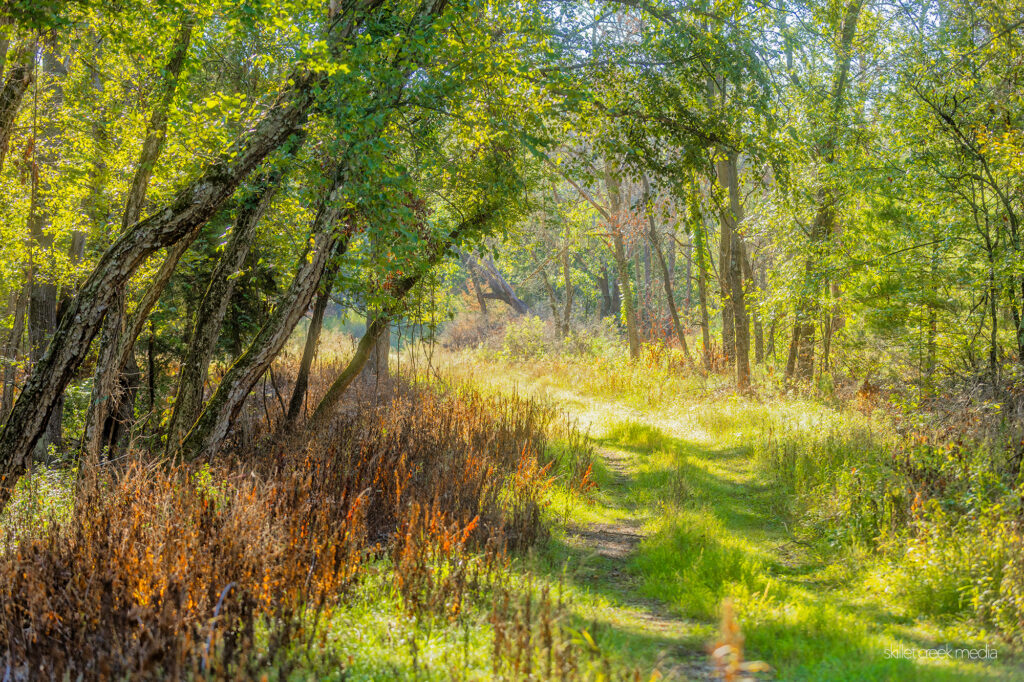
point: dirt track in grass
(614, 544)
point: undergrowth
(244, 566)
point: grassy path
(682, 521)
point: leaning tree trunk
(211, 428)
(113, 396)
(208, 318)
(214, 423)
(380, 325)
(192, 207)
(42, 304)
(376, 370)
(500, 289)
(316, 322)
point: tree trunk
(569, 291)
(376, 370)
(666, 277)
(499, 287)
(993, 348)
(371, 338)
(156, 131)
(556, 318)
(606, 294)
(613, 187)
(380, 325)
(616, 310)
(316, 323)
(700, 233)
(478, 290)
(193, 206)
(42, 304)
(826, 199)
(211, 428)
(794, 347)
(16, 84)
(12, 349)
(724, 260)
(208, 319)
(751, 283)
(728, 177)
(689, 276)
(111, 390)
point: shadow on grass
(720, 532)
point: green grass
(719, 524)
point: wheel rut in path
(614, 544)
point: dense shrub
(525, 339)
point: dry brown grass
(225, 569)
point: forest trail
(682, 519)
(616, 543)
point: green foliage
(525, 339)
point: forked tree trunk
(500, 289)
